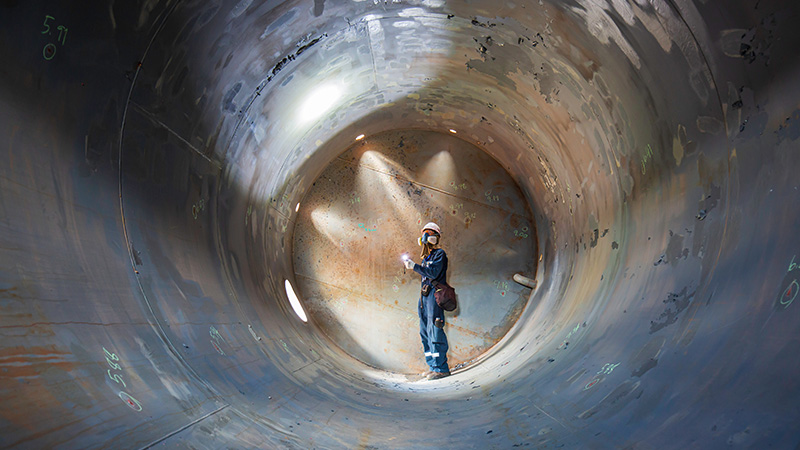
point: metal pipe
(525, 281)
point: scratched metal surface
(153, 154)
(367, 209)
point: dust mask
(427, 239)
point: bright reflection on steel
(441, 166)
(331, 223)
(320, 101)
(359, 137)
(372, 173)
(295, 302)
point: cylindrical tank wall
(362, 216)
(155, 153)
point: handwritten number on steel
(457, 187)
(49, 50)
(130, 401)
(361, 225)
(110, 355)
(113, 365)
(501, 285)
(46, 26)
(201, 204)
(117, 378)
(62, 29)
(216, 340)
(606, 370)
(790, 293)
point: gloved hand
(409, 264)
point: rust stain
(19, 362)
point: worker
(431, 317)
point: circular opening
(363, 215)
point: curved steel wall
(154, 153)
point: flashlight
(405, 258)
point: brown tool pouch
(426, 289)
(445, 297)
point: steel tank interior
(639, 159)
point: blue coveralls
(434, 341)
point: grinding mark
(644, 368)
(710, 125)
(158, 122)
(272, 73)
(655, 27)
(228, 104)
(698, 51)
(647, 357)
(566, 383)
(611, 399)
(240, 8)
(319, 7)
(604, 29)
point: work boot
(437, 375)
(426, 374)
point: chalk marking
(117, 378)
(648, 154)
(791, 290)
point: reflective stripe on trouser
(434, 341)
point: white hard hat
(433, 227)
